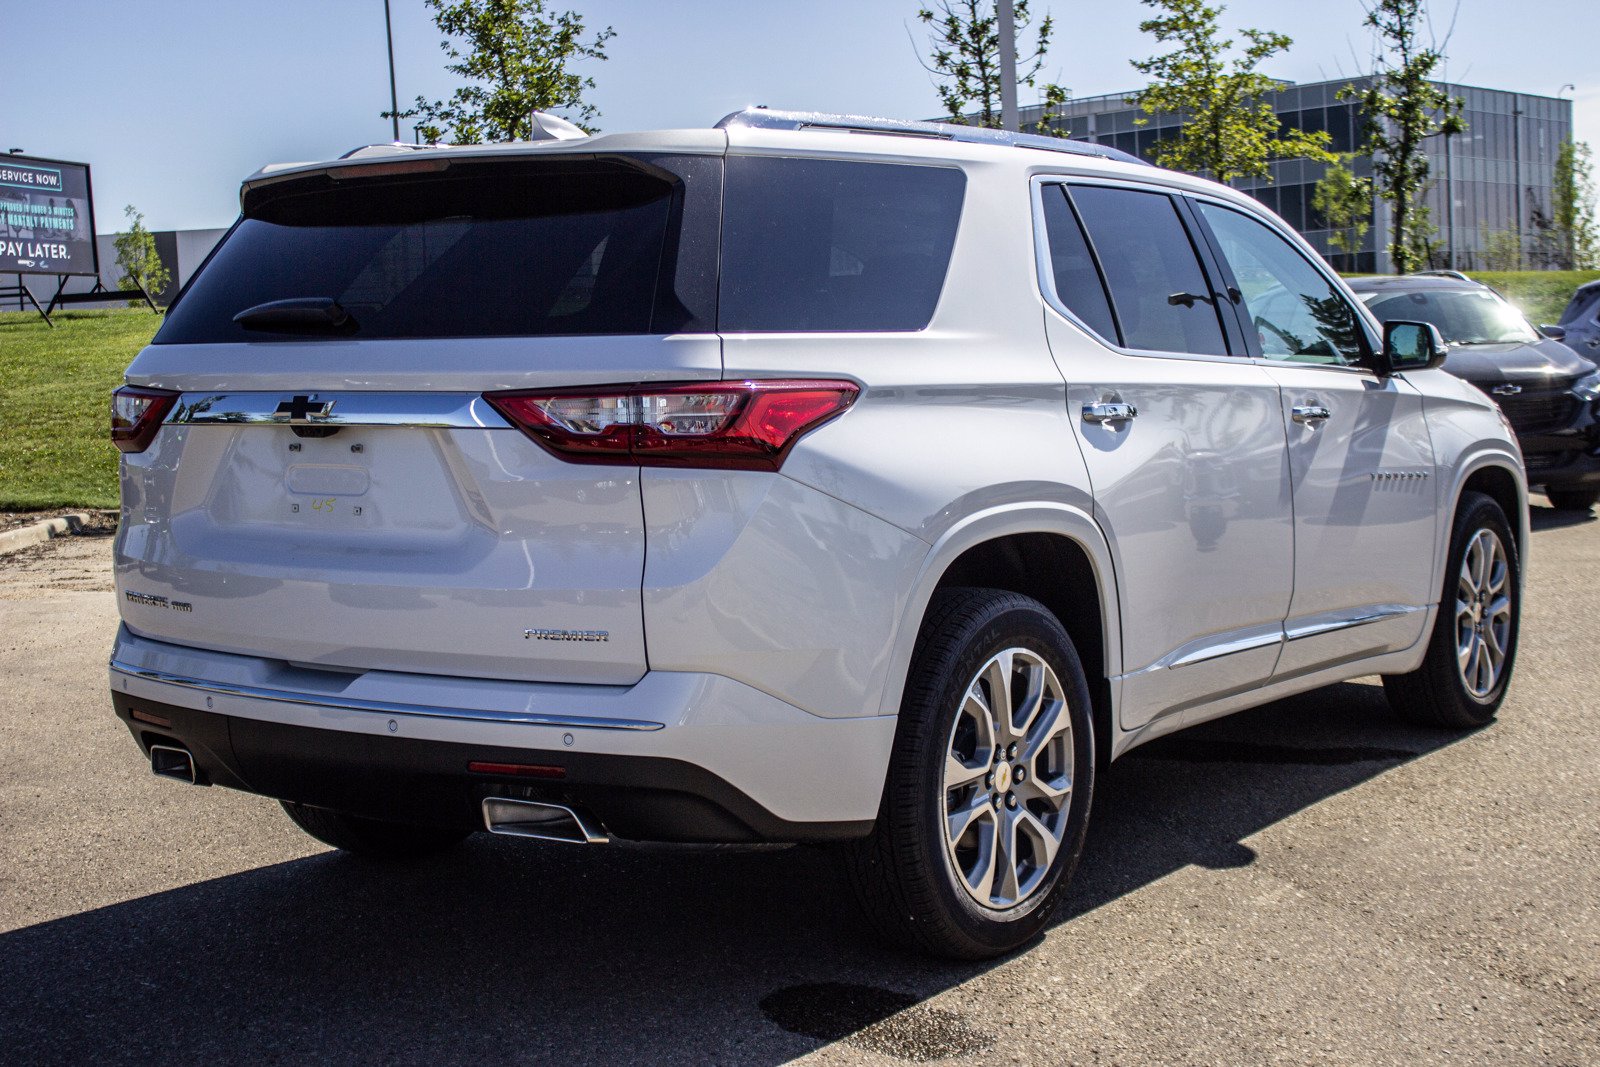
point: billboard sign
(46, 218)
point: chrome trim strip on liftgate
(282, 696)
(335, 408)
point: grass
(55, 388)
(1541, 294)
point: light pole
(1008, 66)
(394, 99)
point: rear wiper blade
(298, 313)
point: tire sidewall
(1013, 624)
(1476, 514)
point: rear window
(828, 245)
(487, 250)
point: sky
(174, 102)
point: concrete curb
(40, 532)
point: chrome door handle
(1308, 413)
(1109, 411)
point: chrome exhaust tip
(168, 761)
(541, 820)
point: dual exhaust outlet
(537, 819)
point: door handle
(1310, 413)
(1109, 411)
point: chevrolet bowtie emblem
(1506, 390)
(301, 408)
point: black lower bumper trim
(642, 798)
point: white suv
(806, 479)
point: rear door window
(813, 245)
(1079, 284)
(475, 250)
(1160, 293)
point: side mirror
(1554, 332)
(1411, 346)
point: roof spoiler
(761, 118)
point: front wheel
(371, 838)
(1573, 499)
(987, 798)
(1464, 676)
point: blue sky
(174, 101)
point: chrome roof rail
(1457, 275)
(763, 119)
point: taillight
(749, 425)
(136, 415)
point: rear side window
(828, 245)
(1077, 278)
(1162, 299)
(482, 250)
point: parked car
(805, 479)
(1548, 392)
(1580, 322)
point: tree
(964, 38)
(515, 56)
(1502, 249)
(1345, 203)
(1230, 130)
(1402, 107)
(1577, 239)
(137, 256)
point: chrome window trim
(283, 696)
(468, 411)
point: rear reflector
(153, 720)
(749, 425)
(136, 416)
(516, 770)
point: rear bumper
(675, 757)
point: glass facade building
(1494, 178)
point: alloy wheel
(1007, 782)
(1483, 613)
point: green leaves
(515, 56)
(964, 44)
(1345, 203)
(138, 258)
(1401, 107)
(1230, 129)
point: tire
(1439, 692)
(917, 887)
(1573, 499)
(371, 838)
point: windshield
(1464, 316)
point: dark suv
(1580, 323)
(1547, 390)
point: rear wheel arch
(1055, 555)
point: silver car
(804, 479)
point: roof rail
(1457, 275)
(761, 118)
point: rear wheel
(371, 838)
(1573, 499)
(987, 799)
(1463, 678)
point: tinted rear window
(485, 250)
(827, 245)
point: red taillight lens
(136, 415)
(748, 425)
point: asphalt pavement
(1310, 882)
